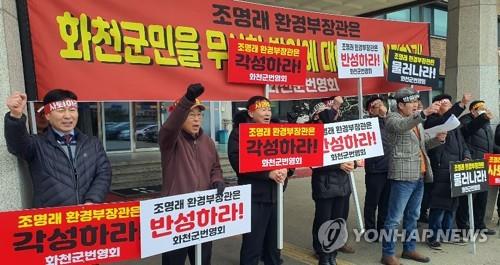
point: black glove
(220, 186)
(194, 90)
(328, 115)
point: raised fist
(466, 99)
(16, 104)
(194, 90)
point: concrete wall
(15, 191)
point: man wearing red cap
(189, 161)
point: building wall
(438, 49)
(15, 189)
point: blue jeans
(404, 203)
(440, 221)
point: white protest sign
(180, 221)
(451, 123)
(351, 140)
(358, 59)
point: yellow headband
(478, 105)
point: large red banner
(107, 50)
(275, 146)
(84, 234)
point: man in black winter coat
(376, 168)
(262, 240)
(442, 205)
(331, 188)
(67, 167)
(479, 137)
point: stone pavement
(299, 212)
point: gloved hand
(328, 115)
(220, 186)
(194, 90)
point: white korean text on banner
(413, 69)
(180, 221)
(351, 140)
(358, 59)
(468, 177)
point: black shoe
(486, 231)
(325, 259)
(332, 259)
(434, 245)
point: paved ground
(298, 213)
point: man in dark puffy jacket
(376, 168)
(189, 162)
(262, 240)
(442, 205)
(331, 188)
(479, 137)
(67, 167)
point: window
(146, 124)
(440, 22)
(117, 126)
(401, 15)
(437, 17)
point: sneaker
(458, 242)
(486, 231)
(434, 245)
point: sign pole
(360, 98)
(197, 253)
(279, 197)
(471, 222)
(32, 118)
(359, 218)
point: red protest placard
(253, 62)
(84, 234)
(493, 169)
(274, 146)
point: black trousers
(424, 206)
(498, 203)
(479, 201)
(377, 196)
(325, 210)
(178, 257)
(262, 240)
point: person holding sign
(376, 168)
(442, 205)
(190, 162)
(409, 167)
(262, 240)
(67, 167)
(479, 137)
(331, 188)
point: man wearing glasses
(189, 162)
